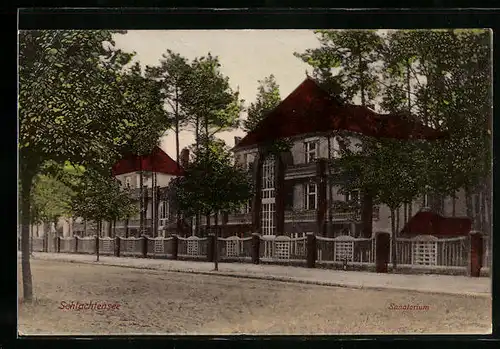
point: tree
(75, 105)
(101, 198)
(212, 184)
(444, 78)
(173, 74)
(50, 200)
(209, 100)
(268, 98)
(346, 65)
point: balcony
(300, 170)
(300, 216)
(305, 170)
(239, 218)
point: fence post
(211, 247)
(175, 246)
(255, 248)
(58, 242)
(476, 253)
(31, 244)
(45, 242)
(76, 243)
(382, 250)
(97, 246)
(117, 246)
(144, 246)
(311, 250)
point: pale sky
(246, 56)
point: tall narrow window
(163, 215)
(311, 151)
(311, 196)
(425, 202)
(128, 182)
(335, 147)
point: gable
(158, 161)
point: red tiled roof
(309, 109)
(430, 223)
(157, 161)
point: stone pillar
(280, 195)
(117, 246)
(382, 251)
(352, 228)
(144, 246)
(175, 246)
(257, 199)
(321, 180)
(311, 250)
(45, 242)
(97, 246)
(255, 248)
(211, 247)
(476, 253)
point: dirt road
(166, 302)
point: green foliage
(209, 100)
(352, 54)
(212, 183)
(78, 103)
(173, 75)
(446, 79)
(442, 78)
(268, 98)
(50, 200)
(102, 198)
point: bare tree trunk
(177, 126)
(99, 227)
(393, 239)
(454, 204)
(482, 210)
(141, 195)
(488, 193)
(397, 218)
(207, 226)
(367, 215)
(26, 184)
(468, 203)
(127, 222)
(110, 228)
(329, 186)
(216, 247)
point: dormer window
(311, 151)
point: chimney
(184, 158)
(236, 140)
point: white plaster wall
(163, 179)
(298, 196)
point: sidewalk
(444, 284)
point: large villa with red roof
(292, 195)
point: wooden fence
(461, 255)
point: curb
(273, 278)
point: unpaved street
(168, 302)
